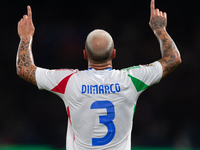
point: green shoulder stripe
(127, 69)
(139, 85)
(134, 110)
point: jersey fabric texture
(100, 103)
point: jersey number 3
(106, 120)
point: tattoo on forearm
(169, 51)
(25, 63)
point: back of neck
(101, 66)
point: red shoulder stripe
(60, 88)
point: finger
(165, 15)
(152, 7)
(157, 12)
(161, 13)
(25, 17)
(29, 12)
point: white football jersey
(100, 103)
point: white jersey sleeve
(144, 76)
(49, 79)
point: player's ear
(114, 53)
(85, 54)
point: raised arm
(170, 54)
(24, 63)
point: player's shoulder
(66, 70)
(60, 73)
(141, 67)
(130, 68)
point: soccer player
(100, 101)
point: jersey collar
(109, 69)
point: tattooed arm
(170, 54)
(25, 64)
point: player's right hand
(158, 19)
(25, 25)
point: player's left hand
(158, 19)
(25, 25)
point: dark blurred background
(167, 114)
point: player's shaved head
(99, 46)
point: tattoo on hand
(158, 23)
